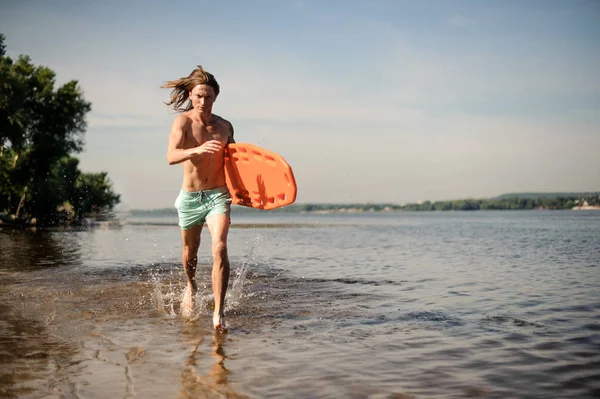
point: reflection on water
(28, 250)
(198, 380)
(100, 331)
(31, 357)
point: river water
(492, 304)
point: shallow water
(381, 305)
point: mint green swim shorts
(195, 207)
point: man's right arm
(176, 153)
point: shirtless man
(197, 141)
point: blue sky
(380, 101)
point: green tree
(40, 128)
(93, 194)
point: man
(197, 141)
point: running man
(197, 141)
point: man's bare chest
(197, 134)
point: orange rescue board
(258, 178)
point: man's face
(202, 97)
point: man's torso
(207, 171)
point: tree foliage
(41, 127)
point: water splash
(164, 300)
(235, 294)
(159, 303)
(192, 307)
(171, 295)
(187, 303)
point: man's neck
(205, 118)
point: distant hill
(546, 195)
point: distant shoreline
(239, 210)
(516, 201)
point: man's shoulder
(182, 120)
(224, 123)
(221, 120)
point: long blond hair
(182, 87)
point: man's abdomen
(203, 176)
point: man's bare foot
(219, 322)
(187, 302)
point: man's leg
(218, 225)
(189, 258)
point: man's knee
(219, 249)
(190, 251)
